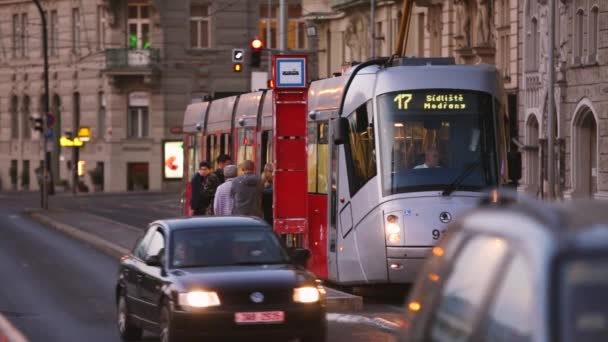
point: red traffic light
(256, 44)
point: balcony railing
(132, 60)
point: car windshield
(223, 247)
(431, 138)
(583, 299)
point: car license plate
(259, 317)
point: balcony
(130, 62)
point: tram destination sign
(434, 101)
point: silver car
(528, 271)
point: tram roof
(247, 107)
(326, 94)
(479, 77)
(194, 116)
(220, 114)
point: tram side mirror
(340, 131)
(514, 159)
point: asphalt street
(55, 288)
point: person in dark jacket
(267, 194)
(221, 162)
(247, 192)
(204, 183)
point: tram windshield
(435, 139)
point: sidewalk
(117, 239)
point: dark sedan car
(218, 278)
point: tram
(397, 149)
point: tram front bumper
(404, 263)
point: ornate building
(581, 94)
(125, 69)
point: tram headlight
(393, 229)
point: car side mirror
(340, 131)
(154, 260)
(514, 160)
(300, 256)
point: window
(76, 30)
(318, 157)
(142, 245)
(593, 34)
(137, 125)
(296, 27)
(509, 319)
(138, 122)
(25, 122)
(16, 35)
(14, 110)
(466, 288)
(24, 35)
(101, 27)
(533, 51)
(379, 39)
(157, 244)
(578, 34)
(139, 26)
(245, 144)
(54, 34)
(101, 118)
(360, 152)
(420, 30)
(199, 26)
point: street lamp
(44, 198)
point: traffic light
(37, 123)
(237, 67)
(256, 46)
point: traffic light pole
(44, 198)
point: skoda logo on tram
(257, 297)
(445, 217)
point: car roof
(575, 224)
(213, 222)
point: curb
(343, 302)
(90, 239)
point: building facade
(581, 97)
(126, 70)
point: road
(57, 289)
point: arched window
(584, 154)
(593, 34)
(578, 35)
(533, 50)
(532, 158)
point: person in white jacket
(223, 201)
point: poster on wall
(173, 156)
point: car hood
(241, 277)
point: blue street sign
(49, 134)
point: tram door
(332, 207)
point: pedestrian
(221, 162)
(267, 193)
(223, 202)
(247, 192)
(204, 184)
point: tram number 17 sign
(290, 72)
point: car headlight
(392, 228)
(307, 294)
(199, 299)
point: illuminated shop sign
(173, 156)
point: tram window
(318, 157)
(225, 144)
(245, 145)
(360, 152)
(429, 138)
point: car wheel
(166, 330)
(128, 331)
